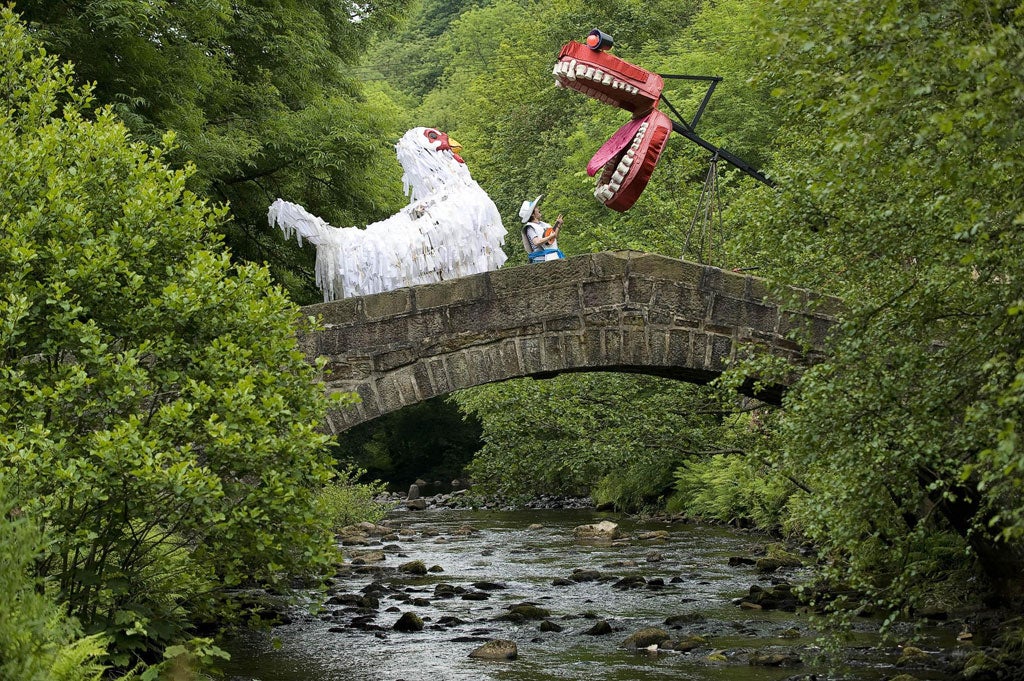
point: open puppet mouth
(627, 159)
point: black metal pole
(731, 158)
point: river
(529, 556)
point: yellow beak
(456, 147)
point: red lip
(627, 171)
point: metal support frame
(687, 130)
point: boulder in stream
(604, 530)
(522, 612)
(497, 649)
(601, 628)
(408, 622)
(413, 567)
(630, 582)
(651, 636)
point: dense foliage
(618, 438)
(900, 154)
(157, 419)
(37, 641)
(260, 94)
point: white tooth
(559, 84)
(614, 186)
(589, 73)
(630, 155)
(627, 161)
(570, 70)
(606, 79)
(635, 90)
(616, 85)
(617, 176)
(581, 69)
(557, 70)
(598, 75)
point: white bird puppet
(450, 228)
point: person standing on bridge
(539, 238)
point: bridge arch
(616, 311)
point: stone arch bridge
(615, 311)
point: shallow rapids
(529, 556)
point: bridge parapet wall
(617, 311)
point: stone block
(552, 354)
(612, 346)
(454, 291)
(593, 342)
(680, 348)
(718, 280)
(601, 293)
(520, 282)
(609, 263)
(388, 304)
(345, 311)
(635, 350)
(700, 352)
(459, 371)
(530, 354)
(681, 300)
(653, 266)
(721, 353)
(437, 372)
(575, 350)
(640, 291)
(559, 324)
(391, 359)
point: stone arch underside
(615, 311)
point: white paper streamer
(450, 229)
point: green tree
(157, 418)
(616, 437)
(260, 95)
(899, 158)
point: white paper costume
(450, 228)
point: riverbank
(422, 591)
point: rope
(709, 205)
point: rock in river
(605, 529)
(496, 650)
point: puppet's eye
(432, 135)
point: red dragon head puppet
(627, 160)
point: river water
(517, 556)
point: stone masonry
(618, 311)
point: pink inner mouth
(622, 138)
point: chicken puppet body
(450, 228)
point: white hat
(526, 211)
